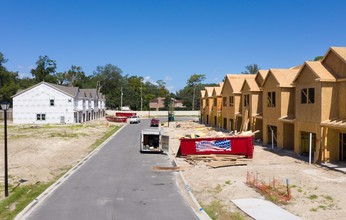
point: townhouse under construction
(296, 109)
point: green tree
(2, 60)
(74, 76)
(318, 58)
(193, 81)
(45, 68)
(185, 94)
(251, 69)
(108, 80)
(162, 88)
(8, 81)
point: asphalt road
(118, 183)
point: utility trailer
(153, 140)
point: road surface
(118, 183)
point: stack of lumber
(217, 160)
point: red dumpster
(125, 114)
(116, 119)
(236, 145)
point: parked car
(154, 122)
(134, 119)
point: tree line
(109, 79)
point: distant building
(47, 103)
(159, 102)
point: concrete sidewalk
(339, 166)
(261, 209)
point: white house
(47, 103)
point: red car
(154, 122)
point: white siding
(37, 101)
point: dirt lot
(317, 193)
(40, 153)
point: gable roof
(92, 93)
(252, 84)
(209, 91)
(70, 91)
(236, 81)
(319, 70)
(284, 77)
(339, 51)
(73, 91)
(261, 73)
(217, 90)
(202, 93)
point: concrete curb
(39, 199)
(201, 214)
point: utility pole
(141, 96)
(121, 99)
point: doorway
(225, 123)
(273, 129)
(304, 143)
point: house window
(51, 102)
(246, 100)
(271, 99)
(308, 96)
(231, 100)
(215, 103)
(40, 117)
(69, 100)
(224, 101)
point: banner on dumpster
(215, 145)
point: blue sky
(169, 40)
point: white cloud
(216, 80)
(24, 74)
(24, 71)
(167, 78)
(170, 88)
(149, 79)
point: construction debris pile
(203, 131)
(217, 160)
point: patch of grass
(300, 190)
(63, 134)
(20, 198)
(19, 136)
(329, 198)
(313, 197)
(76, 127)
(322, 207)
(293, 186)
(217, 189)
(313, 209)
(105, 137)
(228, 182)
(216, 211)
